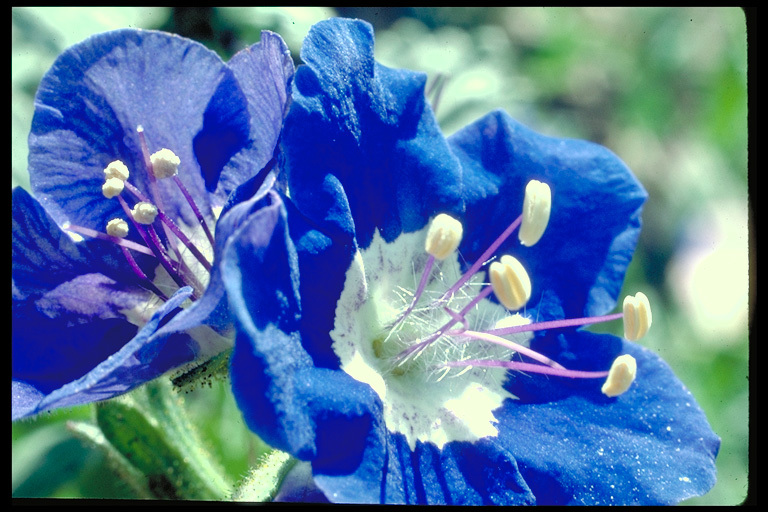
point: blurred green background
(664, 88)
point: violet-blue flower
(403, 376)
(137, 142)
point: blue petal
(67, 318)
(299, 486)
(212, 309)
(61, 335)
(98, 92)
(650, 446)
(480, 473)
(362, 130)
(264, 72)
(24, 399)
(596, 206)
(43, 256)
(144, 358)
(273, 377)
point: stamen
(162, 256)
(195, 209)
(482, 259)
(637, 316)
(537, 205)
(515, 320)
(145, 282)
(102, 236)
(160, 165)
(164, 164)
(554, 324)
(511, 283)
(530, 368)
(444, 236)
(116, 169)
(521, 349)
(144, 149)
(458, 318)
(620, 376)
(149, 235)
(112, 187)
(144, 213)
(152, 183)
(170, 225)
(118, 228)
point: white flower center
(423, 399)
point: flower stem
(150, 429)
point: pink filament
(530, 367)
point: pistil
(165, 164)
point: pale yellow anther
(637, 316)
(510, 282)
(118, 228)
(537, 205)
(620, 376)
(444, 236)
(165, 163)
(112, 187)
(116, 169)
(144, 213)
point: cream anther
(444, 236)
(637, 316)
(620, 376)
(116, 169)
(510, 281)
(536, 208)
(144, 213)
(112, 187)
(118, 228)
(165, 163)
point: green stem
(263, 481)
(150, 429)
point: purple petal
(144, 358)
(98, 92)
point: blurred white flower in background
(709, 276)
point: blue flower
(337, 363)
(138, 140)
